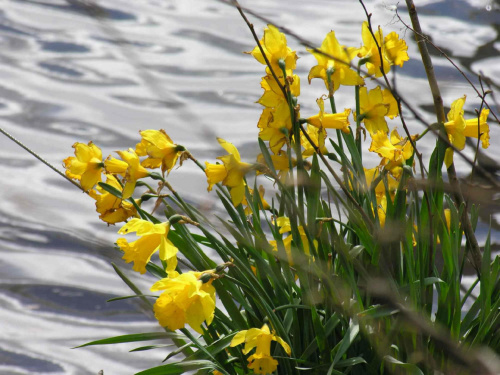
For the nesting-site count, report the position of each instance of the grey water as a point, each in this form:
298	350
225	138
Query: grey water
67	76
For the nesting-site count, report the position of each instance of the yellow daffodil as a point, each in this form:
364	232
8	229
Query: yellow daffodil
187	299
275	48
393	50
380	191
265	205
112	209
394	151
273	96
284	225
280	161
271	131
159	148
318	136
261	361
130	167
373	108
330	121
458	128
341	72
152	237
231	173
86	165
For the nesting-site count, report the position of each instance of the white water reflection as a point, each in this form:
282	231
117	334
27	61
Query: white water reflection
63	78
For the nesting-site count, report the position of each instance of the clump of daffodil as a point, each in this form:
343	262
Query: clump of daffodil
152	237
159	148
188	298
458	128
330	120
112	209
86	165
338	69
374	106
394	151
261	362
393	50
285	227
130	167
231	173
275	48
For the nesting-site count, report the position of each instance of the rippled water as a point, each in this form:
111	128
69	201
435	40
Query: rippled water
177	65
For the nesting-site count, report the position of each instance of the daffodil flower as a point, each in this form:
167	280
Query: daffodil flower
393	50
130	167
285	227
159	148
339	69
318	136
86	166
261	361
458	129
280	162
265	205
380	191
330	121
275	48
186	299
231	173
112	209
153	237
373	109
394	150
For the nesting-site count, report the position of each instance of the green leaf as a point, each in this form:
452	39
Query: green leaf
215	348
346	342
181	367
409	368
111	189
135	337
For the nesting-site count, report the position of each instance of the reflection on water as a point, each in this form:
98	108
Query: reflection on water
64	78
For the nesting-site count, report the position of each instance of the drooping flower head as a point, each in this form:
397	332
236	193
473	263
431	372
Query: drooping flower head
86	165
187	299
231	173
318	136
153	237
275	48
159	148
130	167
285	227
260	339
339	69
112	209
458	128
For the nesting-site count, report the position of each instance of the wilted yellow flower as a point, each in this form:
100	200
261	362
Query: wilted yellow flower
341	72
86	166
261	361
330	121
159	148
152	237
187	299
393	50
130	167
231	173
265	205
274	46
112	209
373	108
